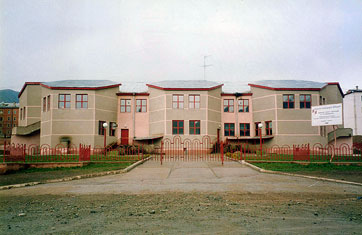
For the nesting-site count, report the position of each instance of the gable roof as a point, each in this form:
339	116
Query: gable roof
185	85
74	85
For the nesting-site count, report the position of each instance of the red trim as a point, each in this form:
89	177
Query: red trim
80	88
25	84
337	84
234	94
285	89
184	89
131	94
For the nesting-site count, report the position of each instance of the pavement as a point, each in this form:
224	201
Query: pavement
192	176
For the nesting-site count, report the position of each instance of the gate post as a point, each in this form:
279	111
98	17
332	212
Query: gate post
222	152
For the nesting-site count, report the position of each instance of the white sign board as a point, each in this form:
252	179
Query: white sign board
325	115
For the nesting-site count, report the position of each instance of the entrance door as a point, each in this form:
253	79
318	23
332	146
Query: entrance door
124	137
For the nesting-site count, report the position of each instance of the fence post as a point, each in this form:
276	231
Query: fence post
23	152
222	152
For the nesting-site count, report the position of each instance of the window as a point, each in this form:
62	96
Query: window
14	111
81	101
48	103
14	118
112	129
194	127
125	106
8	125
1	112
177	127
228	106
257	133
14	125
141	106
64	101
305	101
8	111
194	101
8	118
44	104
288	101
21	114
244	129
229	129
24	114
178	101
243	106
101	129
268	128
1	118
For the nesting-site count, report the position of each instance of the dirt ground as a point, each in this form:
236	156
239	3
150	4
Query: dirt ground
182	213
184	198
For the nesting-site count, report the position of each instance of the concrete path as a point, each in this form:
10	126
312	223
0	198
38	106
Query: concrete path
192	176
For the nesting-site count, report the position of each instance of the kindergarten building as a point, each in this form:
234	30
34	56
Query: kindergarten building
73	112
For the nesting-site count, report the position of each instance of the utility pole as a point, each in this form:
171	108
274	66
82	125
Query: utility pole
205	65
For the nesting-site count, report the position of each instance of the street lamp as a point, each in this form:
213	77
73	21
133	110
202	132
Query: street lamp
105	125
260	126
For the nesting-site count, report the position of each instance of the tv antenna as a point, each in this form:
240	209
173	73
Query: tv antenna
205	65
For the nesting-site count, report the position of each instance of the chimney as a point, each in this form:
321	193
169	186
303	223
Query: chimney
356	87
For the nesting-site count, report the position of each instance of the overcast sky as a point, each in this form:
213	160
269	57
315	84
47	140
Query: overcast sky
145	40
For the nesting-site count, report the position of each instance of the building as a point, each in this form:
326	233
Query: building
352	110
67	112
9	113
73	112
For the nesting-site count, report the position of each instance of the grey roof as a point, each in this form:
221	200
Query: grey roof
185	84
235	87
80	83
133	87
289	84
9	105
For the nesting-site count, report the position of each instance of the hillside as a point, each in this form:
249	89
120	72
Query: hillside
9	96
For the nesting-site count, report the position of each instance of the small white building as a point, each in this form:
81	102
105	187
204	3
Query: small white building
352	110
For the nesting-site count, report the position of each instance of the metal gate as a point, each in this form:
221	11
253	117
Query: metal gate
203	149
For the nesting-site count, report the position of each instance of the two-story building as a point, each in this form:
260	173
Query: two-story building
73	112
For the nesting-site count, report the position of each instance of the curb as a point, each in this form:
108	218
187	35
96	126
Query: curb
129	168
296	175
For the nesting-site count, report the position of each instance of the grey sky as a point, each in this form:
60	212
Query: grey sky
144	40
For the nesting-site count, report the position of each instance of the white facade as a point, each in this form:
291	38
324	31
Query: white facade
352	111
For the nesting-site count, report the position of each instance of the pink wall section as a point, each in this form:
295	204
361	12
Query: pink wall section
136	123
28	140
236	117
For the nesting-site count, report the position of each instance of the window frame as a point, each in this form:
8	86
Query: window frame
245	130
193	103
242	106
257	129
178	128
141	106
229	107
112	130
48	103
288	102
127	107
227	131
65	102
82	102
44	104
101	129
269	128
305	102
193	129
178	102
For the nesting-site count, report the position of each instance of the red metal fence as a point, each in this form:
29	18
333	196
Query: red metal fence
44	153
184	150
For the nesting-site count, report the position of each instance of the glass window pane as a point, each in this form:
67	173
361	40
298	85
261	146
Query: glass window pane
85	97
174	131
174	105
285	98
67	97
67	104
128	102
226	109
226	102
123	109
144	109
181	98
198	131
285	105
231	109
174	124
181	105
85	105
144	102
61	105
291	98
197	105
197	98
302	98
78	105
247	109
138	102
181	131
181	124
128	109
302	105
191	98
192	123
226	127
61	97
231	102
291	105
308	98
174	98
197	123
123	102
240	102
308	105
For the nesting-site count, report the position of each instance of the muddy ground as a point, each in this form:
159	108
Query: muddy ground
182	213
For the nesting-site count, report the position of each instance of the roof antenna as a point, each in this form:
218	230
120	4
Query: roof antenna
205	65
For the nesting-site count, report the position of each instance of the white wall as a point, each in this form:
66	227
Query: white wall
352	112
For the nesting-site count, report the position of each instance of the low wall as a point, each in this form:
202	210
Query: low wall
6	167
